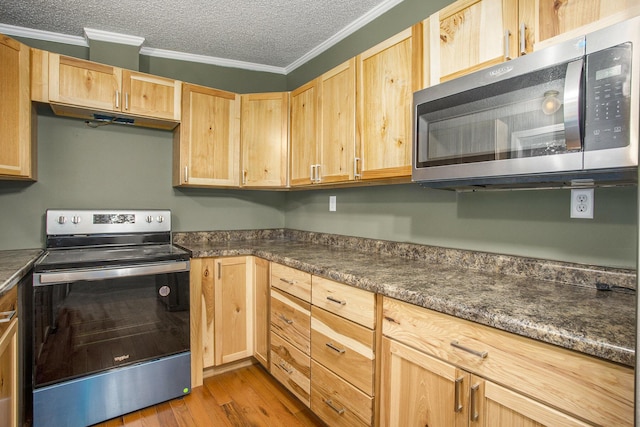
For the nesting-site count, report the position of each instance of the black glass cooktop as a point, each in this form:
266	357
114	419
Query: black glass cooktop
56	259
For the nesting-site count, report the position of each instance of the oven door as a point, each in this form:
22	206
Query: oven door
93	320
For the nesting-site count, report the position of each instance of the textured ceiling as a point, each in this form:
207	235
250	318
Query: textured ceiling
276	33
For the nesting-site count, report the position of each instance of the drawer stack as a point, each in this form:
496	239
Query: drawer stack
290	329
342	352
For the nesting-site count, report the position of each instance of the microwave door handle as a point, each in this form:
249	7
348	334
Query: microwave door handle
572	84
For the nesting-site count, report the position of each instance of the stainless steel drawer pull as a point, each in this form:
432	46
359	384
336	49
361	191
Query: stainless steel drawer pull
334	348
6	316
287	321
481	354
474	402
337	301
289	282
329	402
284	368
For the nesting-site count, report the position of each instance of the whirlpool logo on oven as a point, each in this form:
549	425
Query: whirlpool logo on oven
121	358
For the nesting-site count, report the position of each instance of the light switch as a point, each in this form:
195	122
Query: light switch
332	203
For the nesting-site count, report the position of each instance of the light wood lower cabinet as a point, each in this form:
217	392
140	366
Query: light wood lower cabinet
262	293
9	360
425	353
222	308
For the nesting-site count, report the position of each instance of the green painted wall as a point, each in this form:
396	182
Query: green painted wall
119	167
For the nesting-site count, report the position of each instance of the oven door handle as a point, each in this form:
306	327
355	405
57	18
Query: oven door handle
50	278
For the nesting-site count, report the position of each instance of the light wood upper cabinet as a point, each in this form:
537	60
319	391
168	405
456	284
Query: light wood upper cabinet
264	139
388	74
89	85
207	142
469	35
17	137
323	121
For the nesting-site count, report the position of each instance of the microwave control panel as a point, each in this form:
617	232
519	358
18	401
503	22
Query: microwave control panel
608	98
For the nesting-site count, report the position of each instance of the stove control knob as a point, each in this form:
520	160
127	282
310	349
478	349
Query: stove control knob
76	219
61	219
160	219
149	219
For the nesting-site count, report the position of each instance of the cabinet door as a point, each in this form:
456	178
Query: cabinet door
261	292
233	325
201	317
469	35
558	17
386	85
304	137
495	406
17	147
264	139
419	390
84	83
338	123
151	96
207	142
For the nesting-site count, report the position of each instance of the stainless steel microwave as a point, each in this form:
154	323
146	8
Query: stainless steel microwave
566	112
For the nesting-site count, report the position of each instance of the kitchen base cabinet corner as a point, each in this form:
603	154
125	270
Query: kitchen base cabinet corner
9	360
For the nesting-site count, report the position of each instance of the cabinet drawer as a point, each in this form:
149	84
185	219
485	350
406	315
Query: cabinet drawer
291	319
346	301
291	367
295	282
593	389
337	402
344	347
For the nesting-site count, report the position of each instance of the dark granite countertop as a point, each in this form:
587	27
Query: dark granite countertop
577	317
14	264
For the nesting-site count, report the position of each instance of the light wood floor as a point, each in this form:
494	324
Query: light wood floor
241	398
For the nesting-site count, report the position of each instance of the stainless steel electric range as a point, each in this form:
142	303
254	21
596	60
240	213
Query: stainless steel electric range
110	316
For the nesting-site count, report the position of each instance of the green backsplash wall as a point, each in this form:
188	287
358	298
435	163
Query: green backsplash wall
119	167
533	223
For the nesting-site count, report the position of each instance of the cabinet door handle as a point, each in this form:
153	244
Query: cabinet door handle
474	402
507	35
285	320
336	349
117	99
318	173
457	403
126	101
6	316
284	368
523	39
219	271
329	402
356	175
337	301
186	174
312	175
244	177
481	354
288	282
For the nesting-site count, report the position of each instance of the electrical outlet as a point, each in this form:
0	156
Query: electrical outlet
582	203
332	203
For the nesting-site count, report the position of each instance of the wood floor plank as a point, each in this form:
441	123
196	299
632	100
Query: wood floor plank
235	415
134	419
205	409
165	415
181	413
150	417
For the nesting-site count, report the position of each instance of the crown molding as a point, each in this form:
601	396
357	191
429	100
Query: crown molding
211	60
343	33
30	33
108	36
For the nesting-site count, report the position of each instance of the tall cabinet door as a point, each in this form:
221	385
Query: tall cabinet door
233	313
338	123
264	139
17	143
419	390
261	319
304	136
387	77
207	142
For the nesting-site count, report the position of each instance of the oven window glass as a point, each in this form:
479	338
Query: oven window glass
87	327
515	118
